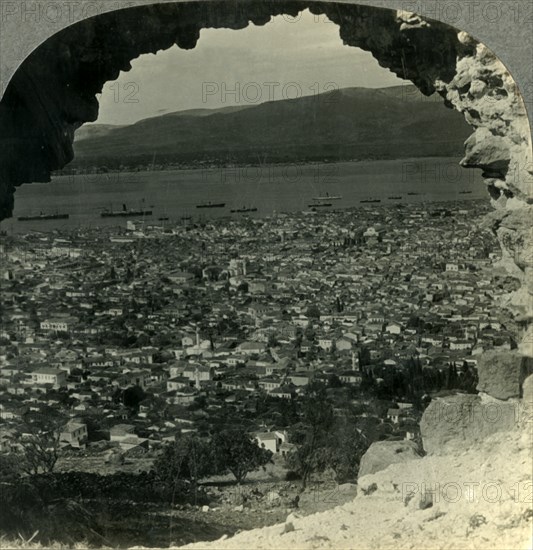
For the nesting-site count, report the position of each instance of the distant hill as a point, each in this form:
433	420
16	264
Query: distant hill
206	112
351	123
88	131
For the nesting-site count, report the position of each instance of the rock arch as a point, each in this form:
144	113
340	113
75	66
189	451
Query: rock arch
53	93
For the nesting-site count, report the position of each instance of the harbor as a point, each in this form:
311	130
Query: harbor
173	195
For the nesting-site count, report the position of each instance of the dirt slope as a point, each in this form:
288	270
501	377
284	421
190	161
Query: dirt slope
481	499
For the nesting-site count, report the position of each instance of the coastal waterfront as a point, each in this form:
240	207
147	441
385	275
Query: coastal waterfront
269	188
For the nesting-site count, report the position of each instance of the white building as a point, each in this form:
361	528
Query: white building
58	324
74	434
55	377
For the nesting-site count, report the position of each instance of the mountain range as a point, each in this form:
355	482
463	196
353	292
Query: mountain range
345	124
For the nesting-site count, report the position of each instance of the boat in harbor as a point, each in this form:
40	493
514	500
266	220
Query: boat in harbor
243	210
43	216
371	200
211	205
328	197
125	212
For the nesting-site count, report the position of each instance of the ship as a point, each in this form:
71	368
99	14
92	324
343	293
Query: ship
465	192
125	212
243	210
371	200
413	193
211	205
320	205
42	216
328	197
395	198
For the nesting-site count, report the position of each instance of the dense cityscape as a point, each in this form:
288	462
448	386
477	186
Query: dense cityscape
265	277
123	341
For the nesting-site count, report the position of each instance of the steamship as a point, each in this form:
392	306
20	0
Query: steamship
125	212
43	216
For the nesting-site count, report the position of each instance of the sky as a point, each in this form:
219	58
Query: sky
286	58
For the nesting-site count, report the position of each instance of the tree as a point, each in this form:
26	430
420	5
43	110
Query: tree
34	317
189	458
469	379
96	423
317	419
334	381
40	447
272	341
364	356
313	312
451	376
235	451
10	468
288	410
131	397
346	446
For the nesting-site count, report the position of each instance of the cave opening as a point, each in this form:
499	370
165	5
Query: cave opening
46	101
232	116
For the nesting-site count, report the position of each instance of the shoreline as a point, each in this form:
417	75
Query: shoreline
195	221
301	163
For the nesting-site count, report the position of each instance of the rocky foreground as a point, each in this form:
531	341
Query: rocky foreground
388	519
468	496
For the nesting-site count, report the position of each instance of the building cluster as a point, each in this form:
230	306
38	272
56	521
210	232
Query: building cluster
145	332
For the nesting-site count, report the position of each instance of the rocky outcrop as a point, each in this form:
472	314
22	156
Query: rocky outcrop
526	345
501	373
473	496
485	92
382	454
527	403
514	231
470	498
463	420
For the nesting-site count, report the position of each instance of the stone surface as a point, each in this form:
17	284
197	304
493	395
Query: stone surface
527	389
346	487
527	403
486	151
526	345
463	420
382	454
500	374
